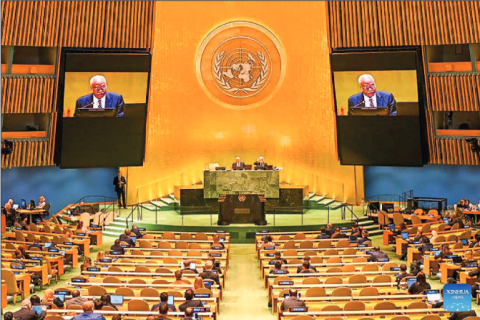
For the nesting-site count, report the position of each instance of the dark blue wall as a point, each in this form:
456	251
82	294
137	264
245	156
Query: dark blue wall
59	186
452	182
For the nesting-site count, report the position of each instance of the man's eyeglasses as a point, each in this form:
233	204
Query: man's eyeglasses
96	88
365	87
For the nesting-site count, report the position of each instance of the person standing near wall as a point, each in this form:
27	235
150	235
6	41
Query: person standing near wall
119	182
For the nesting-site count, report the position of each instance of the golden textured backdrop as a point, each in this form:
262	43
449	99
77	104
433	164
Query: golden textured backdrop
294	130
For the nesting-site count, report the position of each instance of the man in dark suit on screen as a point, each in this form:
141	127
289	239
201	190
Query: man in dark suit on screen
119	182
371	98
100	98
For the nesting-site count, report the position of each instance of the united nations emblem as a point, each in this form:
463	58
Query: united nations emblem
242	197
240	65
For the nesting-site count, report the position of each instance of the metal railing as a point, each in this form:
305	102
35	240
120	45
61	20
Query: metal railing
106	204
346	207
373	202
135	208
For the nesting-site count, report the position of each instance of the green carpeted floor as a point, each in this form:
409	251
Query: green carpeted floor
244	296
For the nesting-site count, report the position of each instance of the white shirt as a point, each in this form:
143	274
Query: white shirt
95	102
367	101
41	205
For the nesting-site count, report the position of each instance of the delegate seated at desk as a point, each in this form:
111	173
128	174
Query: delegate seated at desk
260	164
238	165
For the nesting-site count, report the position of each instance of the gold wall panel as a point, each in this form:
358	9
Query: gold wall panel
295	129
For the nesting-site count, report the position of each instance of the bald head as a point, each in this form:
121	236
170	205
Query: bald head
98	84
26	304
367	84
87	306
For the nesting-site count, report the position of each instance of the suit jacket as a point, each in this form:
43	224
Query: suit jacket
26	314
76	301
210	275
291	302
299	269
188	269
362	240
118	248
257	164
115	183
190	304
127	239
403	276
377	255
170	306
242	165
384	99
330	231
112	101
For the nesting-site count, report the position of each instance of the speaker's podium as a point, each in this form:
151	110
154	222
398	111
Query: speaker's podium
241	208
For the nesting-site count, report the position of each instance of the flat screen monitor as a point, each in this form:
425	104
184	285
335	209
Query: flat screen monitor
388	207
446	221
32	203
15	206
102	107
116	299
171	300
411	281
48	244
433	295
60	296
405	235
353	239
382	89
134	239
23	203
465	242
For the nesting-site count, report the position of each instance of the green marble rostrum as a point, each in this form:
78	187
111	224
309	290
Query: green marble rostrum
217	183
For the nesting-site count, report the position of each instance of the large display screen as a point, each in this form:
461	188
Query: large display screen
379	107
102	108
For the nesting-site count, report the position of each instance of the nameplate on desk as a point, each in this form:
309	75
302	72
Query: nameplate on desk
124	246
53	250
285	283
268	248
93	269
18	267
63	292
106	260
216	255
299	309
383	260
201	309
220	231
94	225
80	280
68	243
241	211
271	262
18	228
81	234
263	231
142	229
37	258
270	255
201	295
114	252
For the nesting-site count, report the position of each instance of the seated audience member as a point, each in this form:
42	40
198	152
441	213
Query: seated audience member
330	229
468	258
323	234
88	312
420	285
444	253
189	301
24	224
41	203
216	267
278	268
403	273
339	234
97	304
164	302
48	296
268	241
354	231
117	317
188	314
26	312
306	259
136	232
76	300
418	237
216	243
402	226
292	301
81	228
306	268
364	237
377	254
35	244
23	251
462	315
163	311
456	218
476	242
8	315
198	284
117	247
186	266
434	236
35	300
126	238
178	281
208	274
107	302
278	257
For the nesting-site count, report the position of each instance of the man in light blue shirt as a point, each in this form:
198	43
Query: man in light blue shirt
88	313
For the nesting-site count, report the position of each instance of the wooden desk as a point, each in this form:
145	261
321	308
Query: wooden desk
30	213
